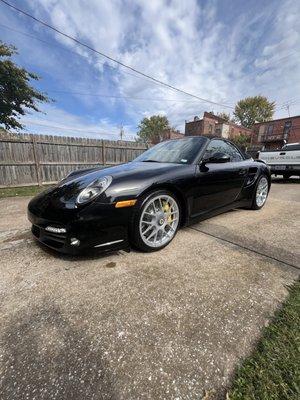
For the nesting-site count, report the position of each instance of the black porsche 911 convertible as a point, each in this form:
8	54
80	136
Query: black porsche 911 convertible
144	202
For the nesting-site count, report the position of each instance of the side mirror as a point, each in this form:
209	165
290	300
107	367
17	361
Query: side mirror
217	158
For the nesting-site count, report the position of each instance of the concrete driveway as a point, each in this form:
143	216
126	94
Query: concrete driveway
167	325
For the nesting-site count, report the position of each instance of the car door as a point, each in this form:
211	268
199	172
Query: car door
218	184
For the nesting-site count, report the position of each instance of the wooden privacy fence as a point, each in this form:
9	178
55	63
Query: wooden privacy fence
43	159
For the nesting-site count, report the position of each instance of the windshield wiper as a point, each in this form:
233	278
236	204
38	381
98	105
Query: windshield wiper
150	161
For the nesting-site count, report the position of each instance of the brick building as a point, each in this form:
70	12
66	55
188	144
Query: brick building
168	134
274	134
213	125
173	134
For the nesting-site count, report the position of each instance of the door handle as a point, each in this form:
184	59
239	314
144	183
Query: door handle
242	171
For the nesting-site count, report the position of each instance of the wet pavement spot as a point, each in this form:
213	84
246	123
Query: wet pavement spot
111	265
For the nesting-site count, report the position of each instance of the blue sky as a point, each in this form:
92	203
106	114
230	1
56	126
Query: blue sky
218	50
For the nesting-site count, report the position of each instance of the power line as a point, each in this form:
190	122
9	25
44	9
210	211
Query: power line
290	102
279	107
67	128
84	56
109	66
73	52
111	58
118	96
268	66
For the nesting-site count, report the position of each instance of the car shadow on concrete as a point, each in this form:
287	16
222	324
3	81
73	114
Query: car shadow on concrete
47	357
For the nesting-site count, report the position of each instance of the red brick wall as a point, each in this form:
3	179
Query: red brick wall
169	134
175	135
294	135
274	132
205	126
194	128
237	130
209	126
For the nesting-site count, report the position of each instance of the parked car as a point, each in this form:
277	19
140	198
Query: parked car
144	202
285	162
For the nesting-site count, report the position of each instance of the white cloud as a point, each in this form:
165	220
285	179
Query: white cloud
185	43
280	77
55	121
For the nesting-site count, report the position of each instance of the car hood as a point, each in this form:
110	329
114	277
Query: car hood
120	173
128	179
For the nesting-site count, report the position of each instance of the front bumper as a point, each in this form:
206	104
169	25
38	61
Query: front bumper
99	228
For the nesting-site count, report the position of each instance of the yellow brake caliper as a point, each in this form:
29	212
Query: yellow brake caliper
167	210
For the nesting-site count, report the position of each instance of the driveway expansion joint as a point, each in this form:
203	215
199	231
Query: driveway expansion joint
245	248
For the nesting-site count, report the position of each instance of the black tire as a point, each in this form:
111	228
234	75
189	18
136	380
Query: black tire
255	205
134	228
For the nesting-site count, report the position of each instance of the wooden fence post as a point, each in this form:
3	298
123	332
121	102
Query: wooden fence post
103	153
36	161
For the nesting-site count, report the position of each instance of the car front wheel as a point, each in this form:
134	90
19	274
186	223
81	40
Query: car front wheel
156	221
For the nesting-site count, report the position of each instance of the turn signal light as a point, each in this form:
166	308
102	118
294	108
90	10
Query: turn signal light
74	242
125	203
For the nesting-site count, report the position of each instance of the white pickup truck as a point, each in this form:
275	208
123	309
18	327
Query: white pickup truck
284	162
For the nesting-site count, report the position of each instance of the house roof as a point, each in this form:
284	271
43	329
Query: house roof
279	119
219	119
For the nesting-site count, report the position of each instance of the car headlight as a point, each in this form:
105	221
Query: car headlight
94	189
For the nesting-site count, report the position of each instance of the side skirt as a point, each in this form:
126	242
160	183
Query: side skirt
212	213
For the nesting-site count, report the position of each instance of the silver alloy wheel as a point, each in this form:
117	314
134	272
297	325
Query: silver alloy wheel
262	191
159	220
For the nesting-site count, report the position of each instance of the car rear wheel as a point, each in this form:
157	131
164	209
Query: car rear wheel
261	193
156	221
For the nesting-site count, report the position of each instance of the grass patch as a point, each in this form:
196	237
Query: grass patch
272	372
22	191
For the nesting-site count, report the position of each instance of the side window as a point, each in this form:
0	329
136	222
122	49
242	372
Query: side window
235	154
220	146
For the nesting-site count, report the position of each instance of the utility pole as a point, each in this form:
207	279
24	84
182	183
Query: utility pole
121	132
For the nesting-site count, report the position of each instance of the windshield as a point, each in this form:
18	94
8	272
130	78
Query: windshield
181	151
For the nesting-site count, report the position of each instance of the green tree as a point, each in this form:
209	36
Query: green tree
16	94
250	110
150	130
225	116
242	141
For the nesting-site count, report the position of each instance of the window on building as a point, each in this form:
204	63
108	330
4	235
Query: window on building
210	128
288	124
287	128
261	132
220	146
270	129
